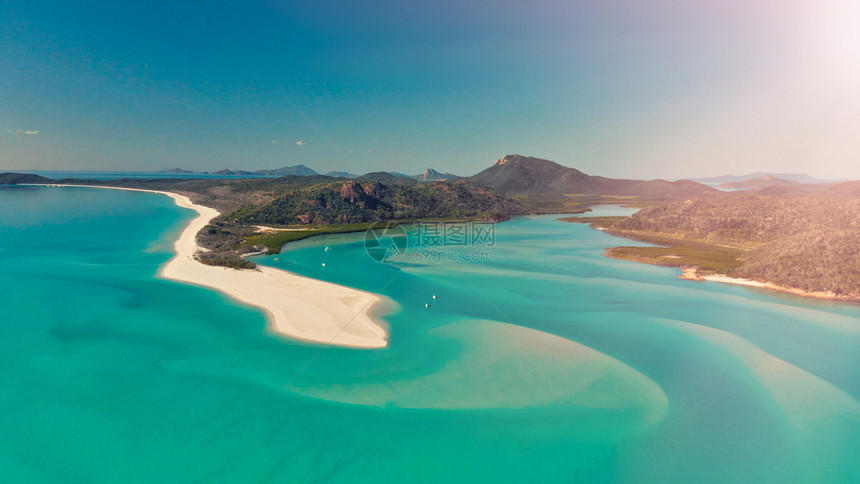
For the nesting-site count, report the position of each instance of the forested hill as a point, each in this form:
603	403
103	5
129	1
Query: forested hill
346	202
516	174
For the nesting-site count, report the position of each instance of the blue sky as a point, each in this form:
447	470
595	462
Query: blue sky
645	88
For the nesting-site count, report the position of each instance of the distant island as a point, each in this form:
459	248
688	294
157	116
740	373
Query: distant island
761	182
22	179
301	170
175	171
796	177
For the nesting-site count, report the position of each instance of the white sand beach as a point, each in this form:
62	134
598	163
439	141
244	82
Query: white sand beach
298	307
692	274
734	280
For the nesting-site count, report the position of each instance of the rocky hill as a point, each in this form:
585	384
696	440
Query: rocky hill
367	201
432	175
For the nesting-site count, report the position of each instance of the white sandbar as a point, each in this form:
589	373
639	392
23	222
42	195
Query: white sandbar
298	307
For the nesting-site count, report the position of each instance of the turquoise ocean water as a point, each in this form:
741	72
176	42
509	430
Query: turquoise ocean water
544	362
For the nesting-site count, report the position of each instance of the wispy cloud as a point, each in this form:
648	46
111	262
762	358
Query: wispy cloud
300	143
274	141
33	132
29	132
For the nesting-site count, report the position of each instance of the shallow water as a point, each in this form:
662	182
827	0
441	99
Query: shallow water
542	362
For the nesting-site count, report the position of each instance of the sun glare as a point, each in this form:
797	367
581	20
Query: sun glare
838	32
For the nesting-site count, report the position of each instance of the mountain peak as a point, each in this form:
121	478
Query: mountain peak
432	175
514	158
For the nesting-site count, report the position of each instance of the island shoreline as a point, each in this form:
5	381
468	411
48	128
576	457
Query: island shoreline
692	273
297	307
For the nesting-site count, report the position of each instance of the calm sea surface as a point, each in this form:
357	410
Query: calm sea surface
538	360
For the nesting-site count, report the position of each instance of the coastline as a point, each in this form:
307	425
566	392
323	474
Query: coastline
297	307
692	274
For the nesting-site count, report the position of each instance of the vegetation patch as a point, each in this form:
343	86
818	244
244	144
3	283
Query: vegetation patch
709	259
274	241
233	261
595	222
350	202
671	251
